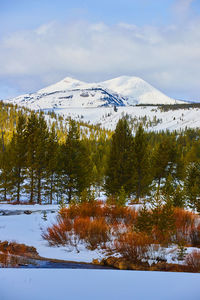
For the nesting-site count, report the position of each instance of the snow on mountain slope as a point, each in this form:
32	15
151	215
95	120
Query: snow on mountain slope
156	119
68	99
69	92
94	102
67	83
137	91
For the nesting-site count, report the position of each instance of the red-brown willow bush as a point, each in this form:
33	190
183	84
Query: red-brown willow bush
89	222
17	249
195	236
122	229
97	209
58	234
120	214
94	232
98	233
166	224
133	246
187	227
192	260
92	209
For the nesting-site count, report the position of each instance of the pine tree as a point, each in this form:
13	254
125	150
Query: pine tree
144	220
164	158
18	153
83	168
6	172
41	150
192	185
142	177
163	220
121	197
37	141
119	171
31	138
179	197
76	164
168	189
52	164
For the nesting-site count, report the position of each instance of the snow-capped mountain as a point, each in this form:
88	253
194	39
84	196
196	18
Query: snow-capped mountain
137	91
94	103
72	93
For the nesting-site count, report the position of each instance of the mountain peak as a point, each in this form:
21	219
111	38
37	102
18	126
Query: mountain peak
119	91
62	85
125	78
137	91
123	83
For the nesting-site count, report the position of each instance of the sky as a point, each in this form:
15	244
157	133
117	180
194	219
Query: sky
44	41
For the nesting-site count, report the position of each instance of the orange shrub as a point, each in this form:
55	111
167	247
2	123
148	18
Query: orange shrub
58	234
86	209
18	249
90	222
93	209
81	227
96	209
185	223
98	233
195	236
192	260
120	214
93	232
133	246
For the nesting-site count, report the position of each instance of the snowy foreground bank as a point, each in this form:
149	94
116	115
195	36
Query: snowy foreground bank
27	229
18	226
92	284
23	284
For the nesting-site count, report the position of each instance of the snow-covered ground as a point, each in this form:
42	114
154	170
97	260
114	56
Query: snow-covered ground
24	207
48	284
27	229
95	103
105	116
51	284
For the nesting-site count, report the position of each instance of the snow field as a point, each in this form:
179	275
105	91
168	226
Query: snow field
27	229
51	284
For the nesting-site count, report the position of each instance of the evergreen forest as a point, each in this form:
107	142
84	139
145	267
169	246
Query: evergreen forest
48	159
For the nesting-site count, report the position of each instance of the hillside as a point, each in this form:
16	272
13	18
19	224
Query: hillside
104	103
137	91
70	93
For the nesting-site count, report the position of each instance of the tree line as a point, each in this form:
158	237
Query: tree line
149	164
43	161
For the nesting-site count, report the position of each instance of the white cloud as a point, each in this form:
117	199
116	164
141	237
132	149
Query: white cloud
167	57
182	6
183	11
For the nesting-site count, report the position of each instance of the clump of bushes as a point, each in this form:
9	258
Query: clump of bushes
133	246
122	230
93	223
58	234
192	260
17	249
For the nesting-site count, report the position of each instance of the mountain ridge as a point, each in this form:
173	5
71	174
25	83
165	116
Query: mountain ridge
70	92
